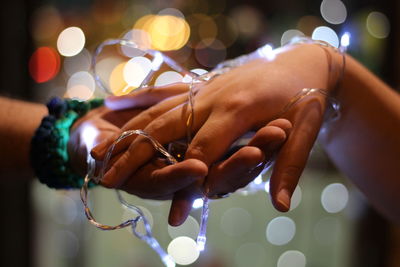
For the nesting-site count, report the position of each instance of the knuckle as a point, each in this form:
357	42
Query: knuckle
155	126
235	102
291	171
195	152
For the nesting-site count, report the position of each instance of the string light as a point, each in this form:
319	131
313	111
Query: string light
141	218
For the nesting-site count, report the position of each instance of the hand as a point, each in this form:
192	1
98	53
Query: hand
96	126
244	99
152	181
235	172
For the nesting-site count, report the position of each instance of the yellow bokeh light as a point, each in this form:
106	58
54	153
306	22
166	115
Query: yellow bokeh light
118	85
166	32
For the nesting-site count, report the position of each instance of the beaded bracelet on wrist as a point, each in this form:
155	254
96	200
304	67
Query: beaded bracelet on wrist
49	156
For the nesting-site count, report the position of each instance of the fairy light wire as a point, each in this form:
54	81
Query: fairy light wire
196	80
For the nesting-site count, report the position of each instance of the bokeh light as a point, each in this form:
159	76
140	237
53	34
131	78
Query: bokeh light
210	53
71	41
236	222
202	27
280	230
117	83
334	197
141	38
378	25
296	198
168	77
130	214
136	70
80	62
189	228
248	20
44	64
230	32
80	86
288	35
292	258
326	34
333	11
183	250
108	71
167	32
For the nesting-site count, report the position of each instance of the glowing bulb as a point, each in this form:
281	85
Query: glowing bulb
345	40
201	243
89	134
258	180
266	187
157	61
267	51
198	203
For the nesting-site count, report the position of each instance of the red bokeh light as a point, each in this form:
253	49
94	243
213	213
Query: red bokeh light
44	64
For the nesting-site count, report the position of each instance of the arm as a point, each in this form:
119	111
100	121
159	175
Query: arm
19	120
365	142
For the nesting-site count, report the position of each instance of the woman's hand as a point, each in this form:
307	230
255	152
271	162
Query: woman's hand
244	99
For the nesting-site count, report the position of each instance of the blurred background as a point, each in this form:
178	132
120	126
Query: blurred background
47	48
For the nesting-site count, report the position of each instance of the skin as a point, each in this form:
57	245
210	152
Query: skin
20	120
16	132
251	96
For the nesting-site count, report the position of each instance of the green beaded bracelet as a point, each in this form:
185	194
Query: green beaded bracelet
48	154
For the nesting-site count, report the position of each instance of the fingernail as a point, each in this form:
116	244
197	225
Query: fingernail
283	200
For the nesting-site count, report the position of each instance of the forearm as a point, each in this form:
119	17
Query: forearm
365	142
19	120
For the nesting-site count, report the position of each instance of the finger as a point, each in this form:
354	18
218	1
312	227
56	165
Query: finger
154	182
214	138
246	164
294	153
235	172
167	128
145	97
138	122
182	204
271	137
